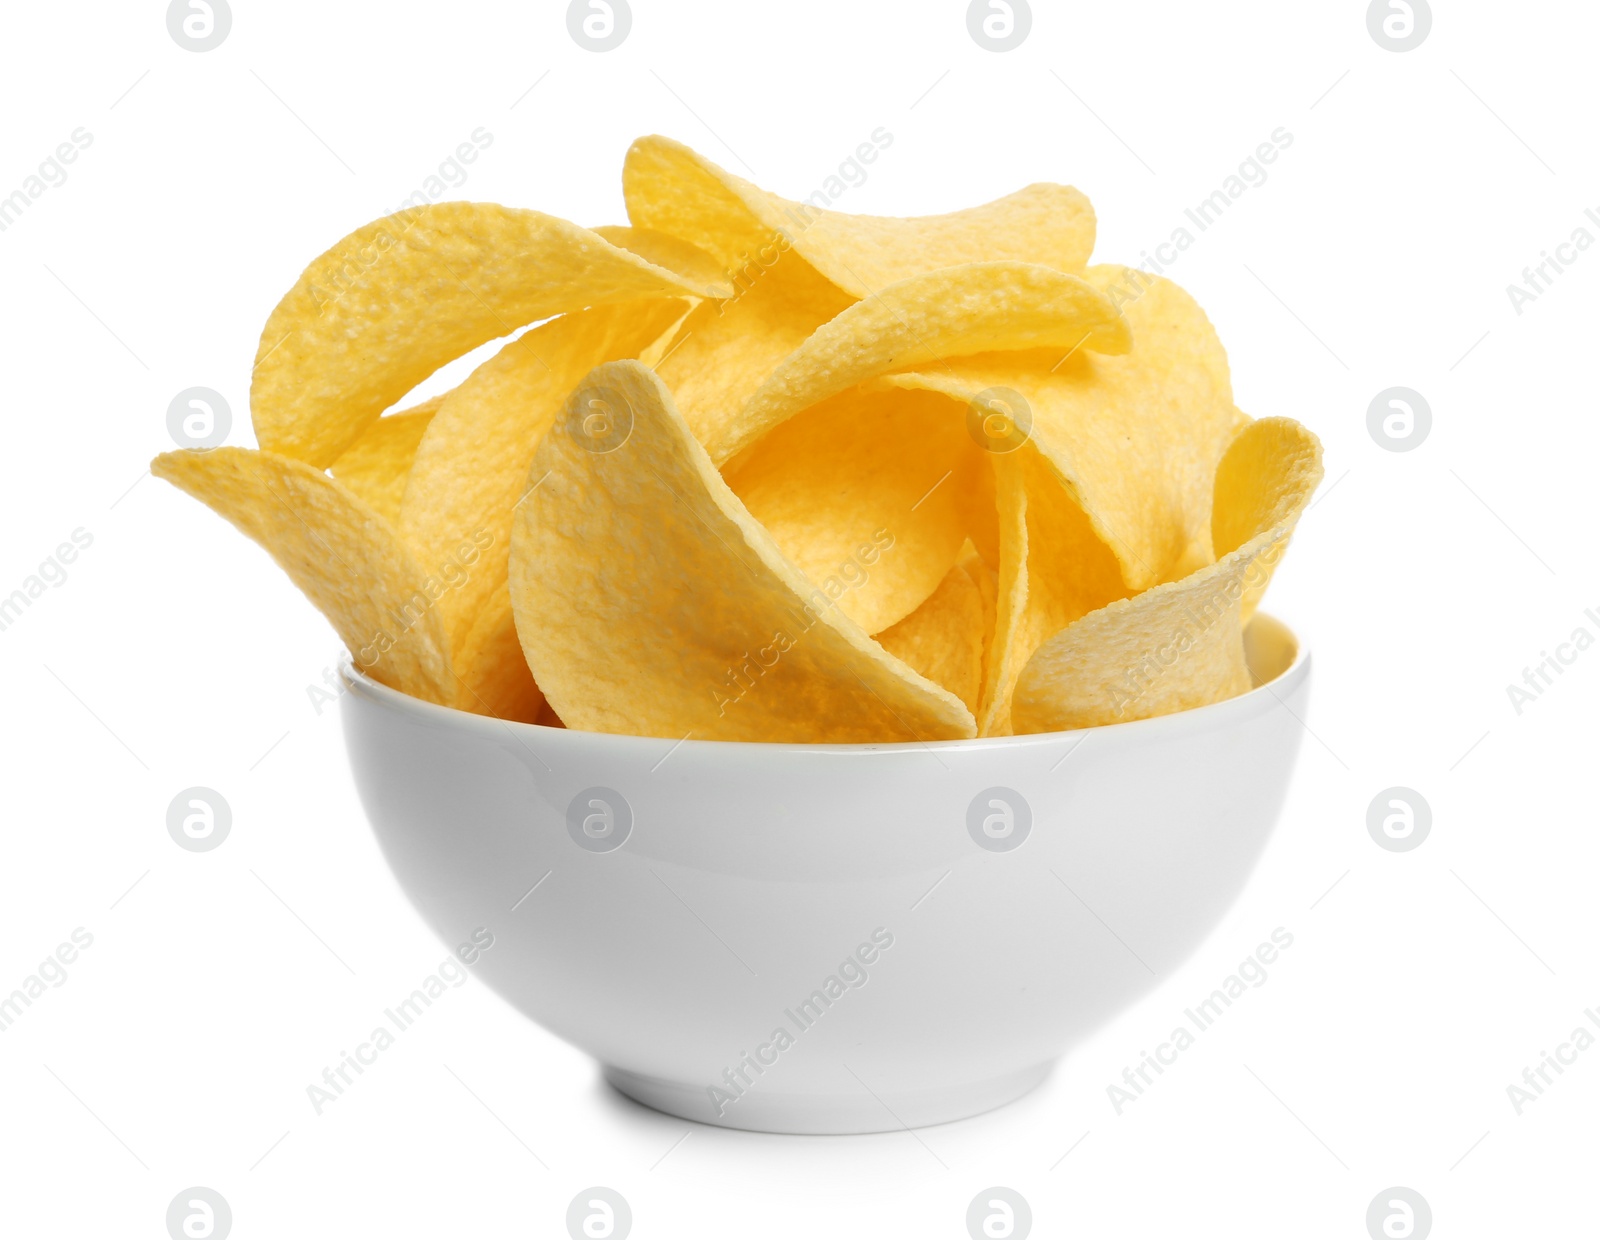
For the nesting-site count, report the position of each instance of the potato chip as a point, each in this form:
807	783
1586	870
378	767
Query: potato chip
727	348
652	353
1179	645
1053	569
375	466
1140	435
472	465
672	188
669	188
1263	478
672	253
988	583
650	602
943	639
344	557
398	298
957	312
983	519
492	676
866	494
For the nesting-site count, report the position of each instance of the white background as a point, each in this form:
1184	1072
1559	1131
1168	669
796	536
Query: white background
1377	253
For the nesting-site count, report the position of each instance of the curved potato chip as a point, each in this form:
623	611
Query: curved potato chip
671	253
727	348
1263	480
493	676
344	557
375	466
956	312
670	188
1054	569
943	639
1140	435
472	465
1181	644
398	298
988	583
650	602
866	495
676	190
983	520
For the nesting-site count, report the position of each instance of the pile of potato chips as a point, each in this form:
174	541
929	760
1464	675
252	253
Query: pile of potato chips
764	471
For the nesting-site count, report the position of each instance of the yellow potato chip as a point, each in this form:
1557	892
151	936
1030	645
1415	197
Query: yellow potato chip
983	519
866	494
1181	644
1139	435
472	465
669	188
675	190
375	466
344	557
1053	569
672	253
650	602
988	583
727	348
956	312
493	677
943	639
1263	478
398	298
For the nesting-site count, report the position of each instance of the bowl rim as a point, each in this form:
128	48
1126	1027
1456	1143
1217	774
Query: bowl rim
1263	696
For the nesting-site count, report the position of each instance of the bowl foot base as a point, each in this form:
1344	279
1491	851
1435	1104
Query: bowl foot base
828	1114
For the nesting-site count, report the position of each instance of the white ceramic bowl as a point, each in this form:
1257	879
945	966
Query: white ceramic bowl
928	925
